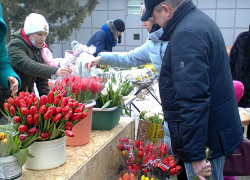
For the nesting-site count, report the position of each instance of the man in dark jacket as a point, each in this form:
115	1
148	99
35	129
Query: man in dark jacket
107	37
196	87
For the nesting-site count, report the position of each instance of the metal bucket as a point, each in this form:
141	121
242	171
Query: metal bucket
48	154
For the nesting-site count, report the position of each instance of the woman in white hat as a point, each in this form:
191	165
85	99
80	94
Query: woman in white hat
25	55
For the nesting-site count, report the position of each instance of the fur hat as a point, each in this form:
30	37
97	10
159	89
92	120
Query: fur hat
35	23
119	25
142	11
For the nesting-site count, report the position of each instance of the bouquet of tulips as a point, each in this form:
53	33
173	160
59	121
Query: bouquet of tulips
148	159
50	117
151	117
80	89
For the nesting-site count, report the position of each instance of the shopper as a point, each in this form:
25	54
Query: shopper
108	36
196	87
25	55
9	80
240	67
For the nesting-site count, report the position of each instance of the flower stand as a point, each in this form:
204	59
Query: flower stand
83	129
105	119
10	168
47	154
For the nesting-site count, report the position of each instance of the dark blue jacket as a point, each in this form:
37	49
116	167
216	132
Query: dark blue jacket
196	88
105	39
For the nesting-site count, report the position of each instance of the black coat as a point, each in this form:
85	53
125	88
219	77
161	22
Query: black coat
196	88
105	39
240	65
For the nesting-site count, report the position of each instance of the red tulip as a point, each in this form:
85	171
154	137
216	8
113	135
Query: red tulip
82	115
58	110
24	111
36	103
79	109
6	107
53	109
29	119
68	123
11	101
68	116
69	133
92	86
75	88
57	118
22	128
43	110
64	93
83	86
50	97
22	137
68	127
58	99
121	147
75	117
75	105
36	120
139	154
12	111
64	102
29	102
16	119
32	131
70	104
48	115
45	135
65	110
43	100
33	110
16	99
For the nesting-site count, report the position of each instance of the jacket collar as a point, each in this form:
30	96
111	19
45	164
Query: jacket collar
155	36
110	29
184	8
26	39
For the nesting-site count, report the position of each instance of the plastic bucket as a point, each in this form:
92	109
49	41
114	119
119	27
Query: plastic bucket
105	119
10	168
83	129
48	154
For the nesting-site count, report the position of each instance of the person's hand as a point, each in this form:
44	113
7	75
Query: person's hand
63	71
202	169
92	62
13	85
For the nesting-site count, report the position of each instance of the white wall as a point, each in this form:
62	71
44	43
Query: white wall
232	17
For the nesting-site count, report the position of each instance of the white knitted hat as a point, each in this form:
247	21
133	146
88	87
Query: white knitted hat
35	23
142	11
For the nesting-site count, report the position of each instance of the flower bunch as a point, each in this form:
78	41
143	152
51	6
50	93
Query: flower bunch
111	94
128	176
80	89
47	118
149	159
127	87
143	177
151	117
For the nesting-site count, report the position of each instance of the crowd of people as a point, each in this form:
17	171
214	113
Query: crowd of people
195	76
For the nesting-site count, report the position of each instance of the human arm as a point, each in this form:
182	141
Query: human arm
234	55
100	39
132	58
190	69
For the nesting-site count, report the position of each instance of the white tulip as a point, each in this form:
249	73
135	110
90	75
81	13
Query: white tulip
114	88
105	92
146	116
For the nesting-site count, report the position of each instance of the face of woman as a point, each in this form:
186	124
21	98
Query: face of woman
39	38
148	25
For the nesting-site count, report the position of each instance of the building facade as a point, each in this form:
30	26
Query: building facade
232	17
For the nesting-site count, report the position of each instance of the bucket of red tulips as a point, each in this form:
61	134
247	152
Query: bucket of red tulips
85	90
42	124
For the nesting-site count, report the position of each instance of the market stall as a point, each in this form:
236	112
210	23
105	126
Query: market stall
100	153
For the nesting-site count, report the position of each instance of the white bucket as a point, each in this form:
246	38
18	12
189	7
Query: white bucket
48	154
9	168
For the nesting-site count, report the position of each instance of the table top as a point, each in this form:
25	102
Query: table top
77	156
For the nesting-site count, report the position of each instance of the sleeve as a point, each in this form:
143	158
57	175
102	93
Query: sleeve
6	69
42	86
21	61
100	40
234	55
133	58
190	69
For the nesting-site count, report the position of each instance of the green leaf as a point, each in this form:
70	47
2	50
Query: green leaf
22	156
106	104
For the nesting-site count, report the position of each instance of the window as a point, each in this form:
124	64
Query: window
134	6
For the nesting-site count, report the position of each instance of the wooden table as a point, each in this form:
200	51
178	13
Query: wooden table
99	159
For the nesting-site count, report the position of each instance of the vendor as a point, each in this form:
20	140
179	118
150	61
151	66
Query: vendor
25	55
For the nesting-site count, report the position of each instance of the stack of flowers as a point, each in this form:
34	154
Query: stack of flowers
148	159
47	118
127	176
83	90
151	117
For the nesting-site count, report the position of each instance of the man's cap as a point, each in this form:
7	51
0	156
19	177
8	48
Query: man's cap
149	4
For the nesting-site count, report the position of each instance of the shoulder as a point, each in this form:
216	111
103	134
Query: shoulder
101	33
